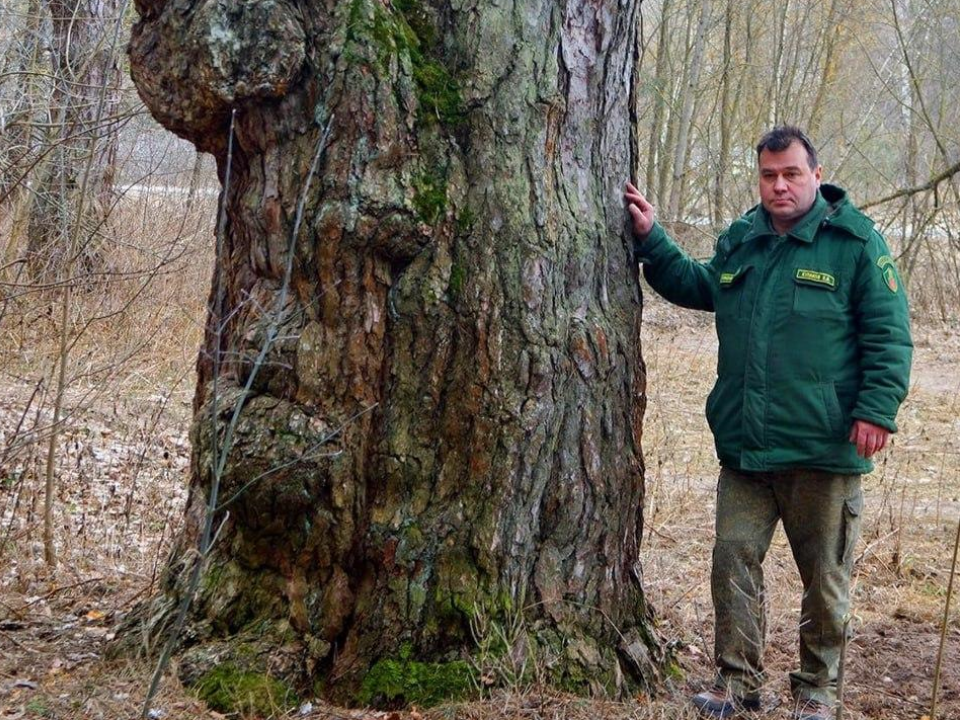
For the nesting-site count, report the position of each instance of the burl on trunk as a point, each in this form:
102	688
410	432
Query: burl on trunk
444	436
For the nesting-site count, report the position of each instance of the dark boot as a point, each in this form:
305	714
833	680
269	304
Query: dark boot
717	702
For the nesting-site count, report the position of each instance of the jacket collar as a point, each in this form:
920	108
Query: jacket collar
806	228
843	214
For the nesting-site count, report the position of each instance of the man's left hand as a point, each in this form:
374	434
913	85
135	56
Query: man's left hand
868	438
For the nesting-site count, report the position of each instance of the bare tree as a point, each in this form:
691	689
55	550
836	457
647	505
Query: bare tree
25	90
728	104
86	100
687	99
660	95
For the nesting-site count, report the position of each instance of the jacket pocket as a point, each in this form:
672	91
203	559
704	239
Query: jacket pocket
732	299
831	403
852	508
798	419
719	408
816	293
712	402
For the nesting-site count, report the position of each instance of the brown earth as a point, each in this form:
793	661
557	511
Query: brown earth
122	489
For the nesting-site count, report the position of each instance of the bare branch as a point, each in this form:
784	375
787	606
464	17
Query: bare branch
931	184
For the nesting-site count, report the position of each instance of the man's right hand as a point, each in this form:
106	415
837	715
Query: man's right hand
641	212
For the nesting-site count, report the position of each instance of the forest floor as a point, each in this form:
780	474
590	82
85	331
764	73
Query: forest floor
123	488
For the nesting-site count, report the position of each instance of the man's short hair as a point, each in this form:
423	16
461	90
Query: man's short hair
781	137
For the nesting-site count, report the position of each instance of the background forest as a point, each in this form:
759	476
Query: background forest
107	227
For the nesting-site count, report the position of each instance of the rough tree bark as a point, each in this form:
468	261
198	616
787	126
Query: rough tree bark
449	425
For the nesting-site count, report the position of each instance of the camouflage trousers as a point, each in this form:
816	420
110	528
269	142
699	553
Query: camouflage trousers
820	512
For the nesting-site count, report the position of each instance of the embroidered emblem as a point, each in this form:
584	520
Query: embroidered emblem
817	278
729	278
890	278
889	271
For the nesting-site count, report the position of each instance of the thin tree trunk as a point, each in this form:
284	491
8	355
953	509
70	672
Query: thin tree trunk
84	60
672	117
681	186
797	66
447	423
912	209
660	103
833	33
89	176
19	137
50	479
775	113
687	100
747	76
723	158
21	102
921	106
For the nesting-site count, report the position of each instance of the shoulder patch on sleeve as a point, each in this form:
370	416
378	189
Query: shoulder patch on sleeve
890	279
888	270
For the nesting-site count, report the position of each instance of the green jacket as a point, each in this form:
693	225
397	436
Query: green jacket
814	333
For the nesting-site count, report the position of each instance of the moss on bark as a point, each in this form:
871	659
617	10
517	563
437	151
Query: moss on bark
228	689
404	680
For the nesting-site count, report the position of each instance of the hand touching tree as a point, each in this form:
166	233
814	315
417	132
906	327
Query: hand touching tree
641	212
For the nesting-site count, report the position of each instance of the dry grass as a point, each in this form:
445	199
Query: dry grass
123	465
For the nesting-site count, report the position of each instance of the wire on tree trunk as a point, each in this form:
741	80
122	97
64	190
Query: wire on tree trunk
219	455
211	505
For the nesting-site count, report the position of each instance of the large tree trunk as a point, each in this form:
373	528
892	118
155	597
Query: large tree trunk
448	426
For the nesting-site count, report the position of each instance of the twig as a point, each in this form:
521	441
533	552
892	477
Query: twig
219	455
686	593
271	334
943	627
195	574
49	549
843	660
57	590
930	184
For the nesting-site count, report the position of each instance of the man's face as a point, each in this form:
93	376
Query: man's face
787	185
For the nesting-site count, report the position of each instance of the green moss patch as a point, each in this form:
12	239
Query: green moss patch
418	20
458	278
228	689
430	197
438	92
466	221
674	671
406	30
405	680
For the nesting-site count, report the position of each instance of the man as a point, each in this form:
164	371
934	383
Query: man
814	361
